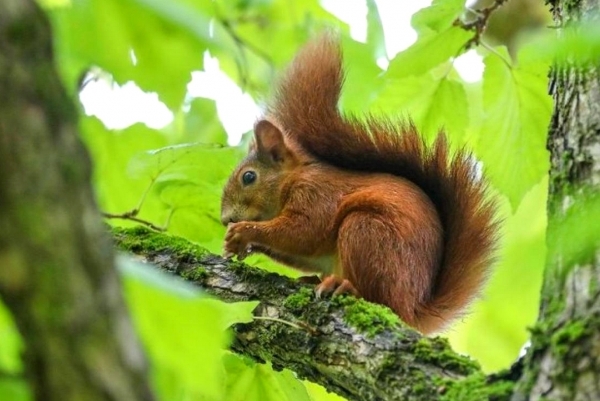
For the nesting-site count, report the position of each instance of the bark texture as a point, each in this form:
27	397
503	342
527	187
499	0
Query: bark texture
563	362
56	272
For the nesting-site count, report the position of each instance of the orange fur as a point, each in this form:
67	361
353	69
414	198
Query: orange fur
366	203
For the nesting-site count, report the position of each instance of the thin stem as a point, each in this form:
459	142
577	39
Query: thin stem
131	215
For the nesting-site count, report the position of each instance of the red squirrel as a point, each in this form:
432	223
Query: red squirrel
365	202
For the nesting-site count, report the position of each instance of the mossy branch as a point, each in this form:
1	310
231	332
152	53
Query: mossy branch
354	348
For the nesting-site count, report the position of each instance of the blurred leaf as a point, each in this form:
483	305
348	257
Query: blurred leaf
182	331
428	52
282	24
15	390
574	237
266	263
406	96
189	179
577	43
439	40
512	143
11	344
248	381
49	4
362	77
193	162
236	312
111	151
157	49
448	110
319	393
202	123
431	103
509	304
440	15
264	35
375	34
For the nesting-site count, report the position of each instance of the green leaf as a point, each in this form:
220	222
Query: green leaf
375	34
236	312
50	4
509	304
319	393
439	40
157	49
248	381
284	27
512	143
432	104
189	179
577	43
182	331
447	110
116	191
15	390
263	36
11	344
202	123
362	77
439	16
428	52
572	238
193	162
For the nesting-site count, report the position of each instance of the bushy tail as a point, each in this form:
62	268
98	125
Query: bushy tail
305	106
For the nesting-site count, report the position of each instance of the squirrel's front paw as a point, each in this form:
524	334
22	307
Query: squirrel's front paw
236	241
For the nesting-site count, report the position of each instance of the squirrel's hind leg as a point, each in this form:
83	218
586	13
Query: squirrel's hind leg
375	258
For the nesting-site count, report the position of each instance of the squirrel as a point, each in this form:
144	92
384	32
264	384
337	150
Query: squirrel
365	202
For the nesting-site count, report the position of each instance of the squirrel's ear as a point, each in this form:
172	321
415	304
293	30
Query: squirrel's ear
269	142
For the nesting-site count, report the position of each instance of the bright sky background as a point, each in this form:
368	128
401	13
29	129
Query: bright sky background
121	106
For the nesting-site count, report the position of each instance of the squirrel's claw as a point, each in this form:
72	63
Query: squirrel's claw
334	285
235	242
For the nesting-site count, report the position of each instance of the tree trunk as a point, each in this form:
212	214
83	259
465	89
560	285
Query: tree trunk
563	362
56	272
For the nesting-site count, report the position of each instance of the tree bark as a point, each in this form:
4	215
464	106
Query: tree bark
56	275
563	361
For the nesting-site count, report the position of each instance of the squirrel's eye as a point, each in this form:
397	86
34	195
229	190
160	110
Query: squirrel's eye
249	177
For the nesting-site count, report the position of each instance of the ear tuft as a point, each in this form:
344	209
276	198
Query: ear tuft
269	142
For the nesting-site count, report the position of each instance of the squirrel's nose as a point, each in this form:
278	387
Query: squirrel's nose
227	217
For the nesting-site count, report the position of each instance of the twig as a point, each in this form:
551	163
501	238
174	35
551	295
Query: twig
242	45
132	216
274	319
479	24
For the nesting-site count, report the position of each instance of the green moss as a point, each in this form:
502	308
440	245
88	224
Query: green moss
195	274
142	239
437	351
563	339
420	385
475	388
299	301
367	318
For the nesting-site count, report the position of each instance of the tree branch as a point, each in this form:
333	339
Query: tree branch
356	349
